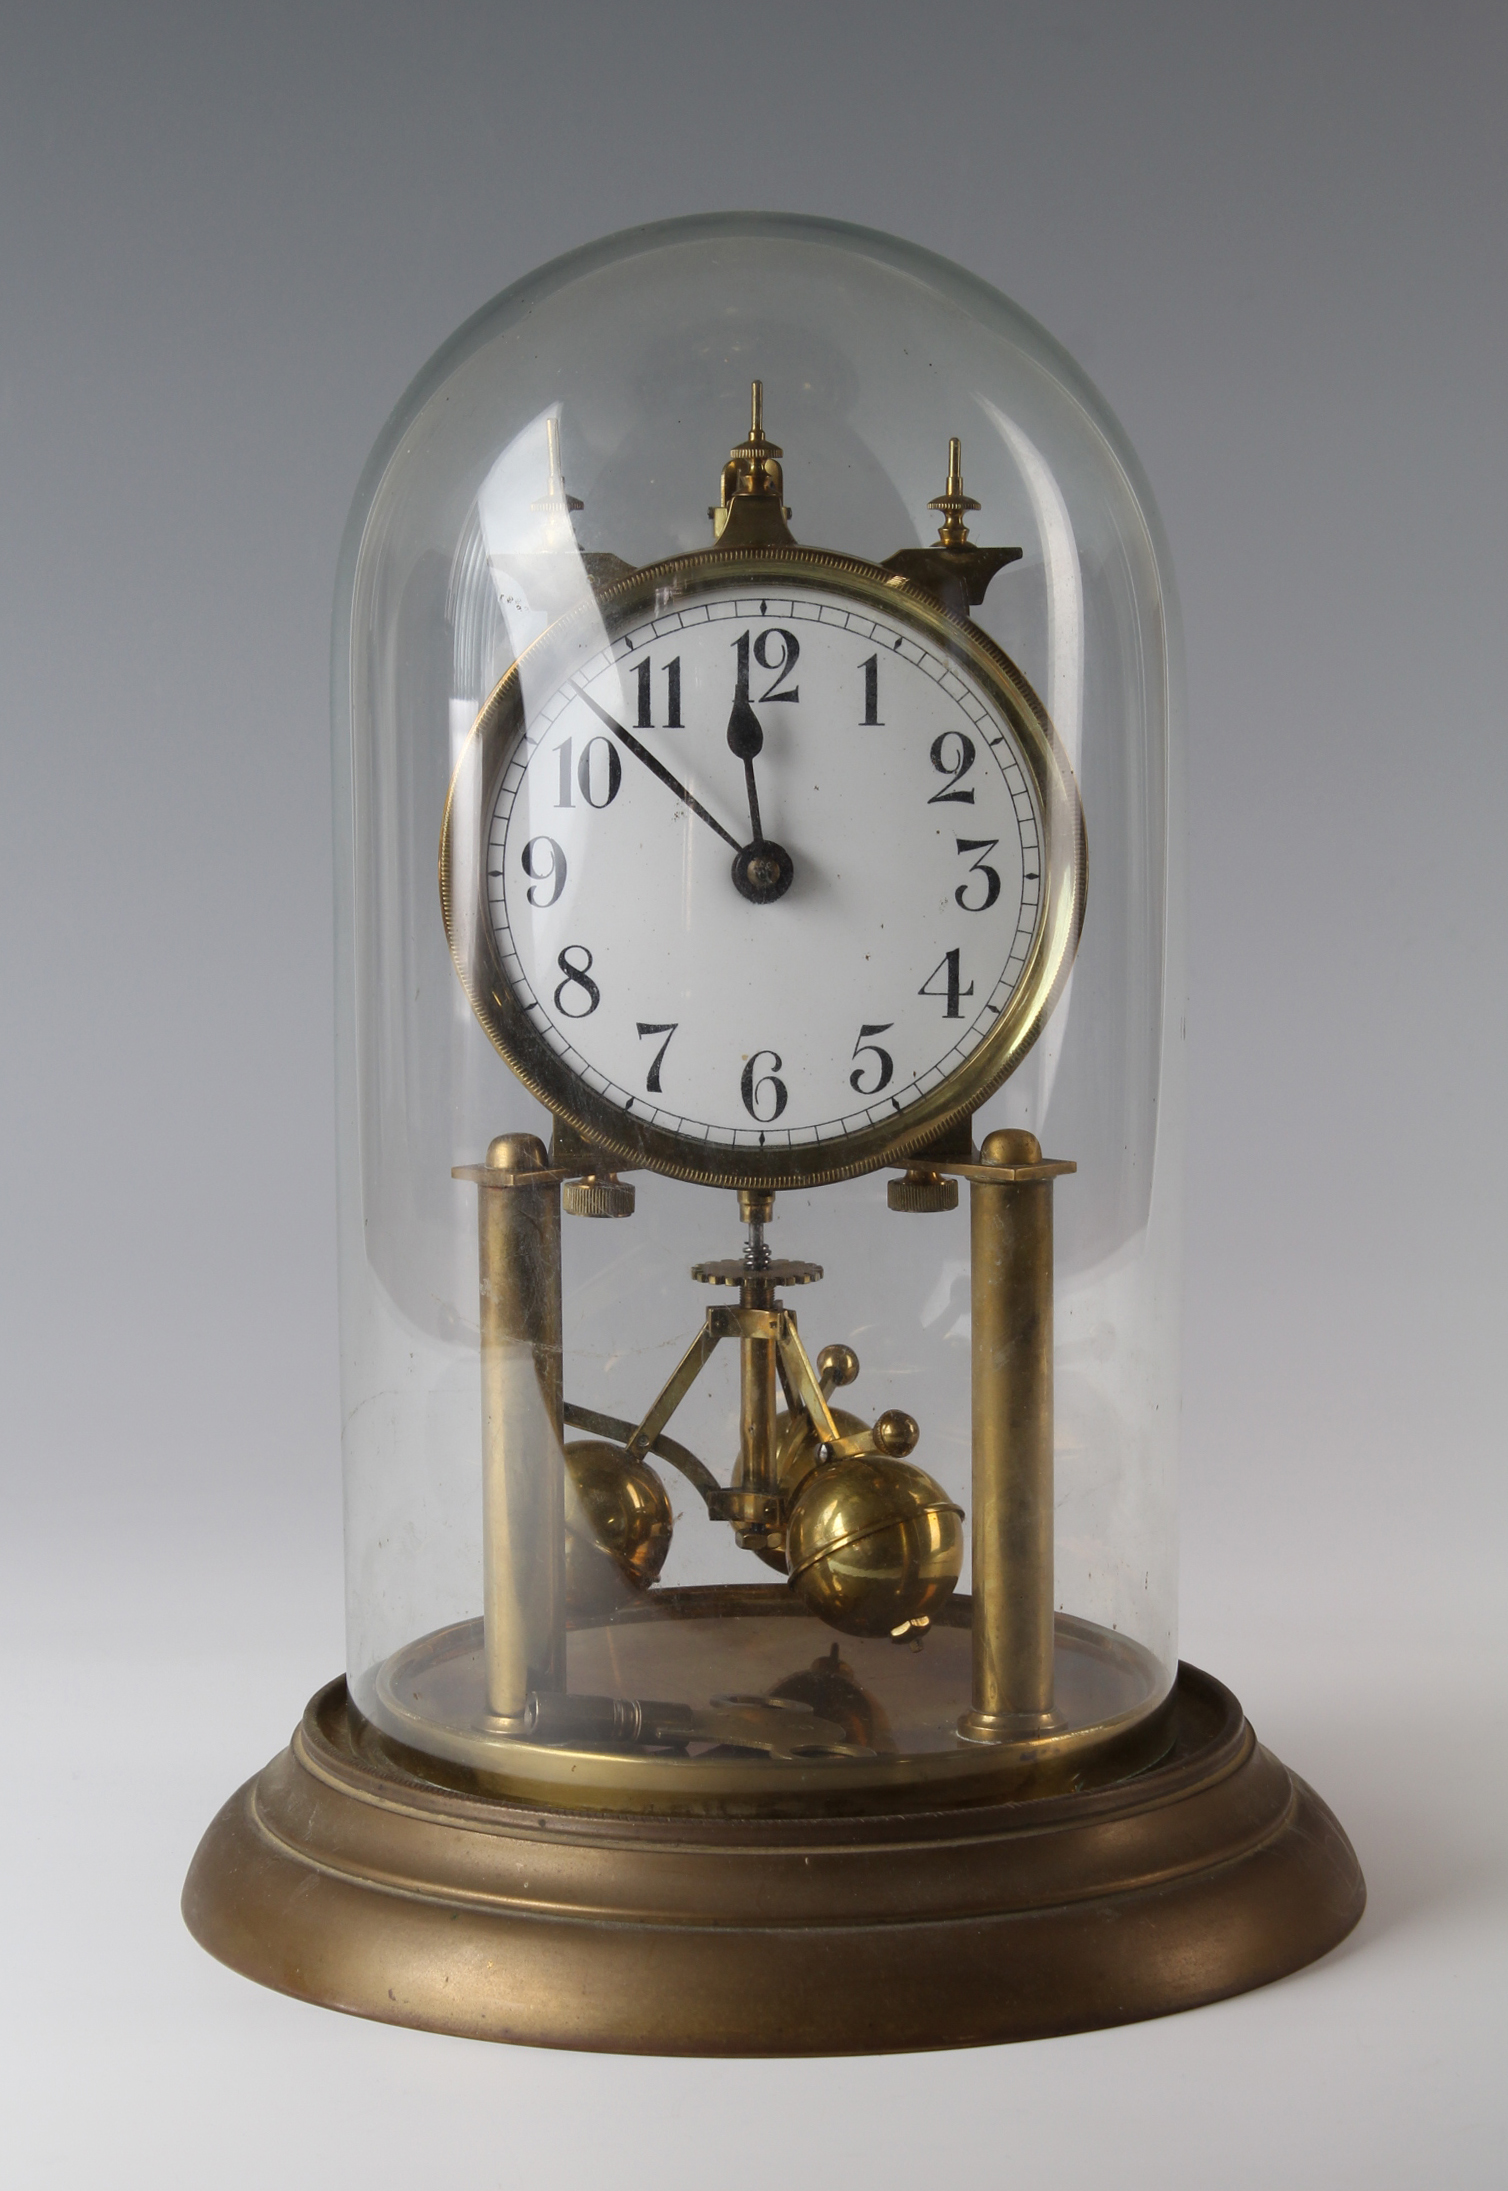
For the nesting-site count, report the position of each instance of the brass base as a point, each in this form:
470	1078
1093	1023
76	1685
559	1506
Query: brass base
340	1877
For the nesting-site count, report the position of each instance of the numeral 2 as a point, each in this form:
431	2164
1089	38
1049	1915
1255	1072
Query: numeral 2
954	770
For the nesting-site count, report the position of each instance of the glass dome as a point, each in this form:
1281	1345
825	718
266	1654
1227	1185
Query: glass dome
760	991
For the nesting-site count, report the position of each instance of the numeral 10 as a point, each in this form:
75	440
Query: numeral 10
597	775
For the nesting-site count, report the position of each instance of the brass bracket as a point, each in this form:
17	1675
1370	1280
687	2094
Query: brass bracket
747	1509
484	1175
955	570
1009	1175
777	1325
725	1323
574	1159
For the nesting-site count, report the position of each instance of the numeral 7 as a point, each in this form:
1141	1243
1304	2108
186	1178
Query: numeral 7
667	1028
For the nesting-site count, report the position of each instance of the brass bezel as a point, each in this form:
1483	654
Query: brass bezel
673	583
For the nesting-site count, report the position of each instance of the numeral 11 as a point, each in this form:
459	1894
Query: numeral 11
644	672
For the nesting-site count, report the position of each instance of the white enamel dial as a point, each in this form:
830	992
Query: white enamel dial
897	866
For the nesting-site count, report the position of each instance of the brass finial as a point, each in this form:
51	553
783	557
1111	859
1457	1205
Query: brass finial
758	448
958	574
556	502
753	473
953	532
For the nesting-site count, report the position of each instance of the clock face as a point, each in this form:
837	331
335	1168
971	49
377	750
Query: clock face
762	868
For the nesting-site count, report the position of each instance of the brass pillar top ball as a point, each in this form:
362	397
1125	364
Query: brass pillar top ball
873	1545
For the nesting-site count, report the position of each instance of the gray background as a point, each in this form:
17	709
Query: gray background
1276	237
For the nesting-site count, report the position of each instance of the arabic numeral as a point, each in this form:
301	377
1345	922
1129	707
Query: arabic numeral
884	1063
780	665
545	864
644	673
667	1028
953	757
870	719
764	1095
987	875
577	978
947	965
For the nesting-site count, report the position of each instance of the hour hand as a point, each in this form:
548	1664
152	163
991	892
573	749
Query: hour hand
745	738
763	871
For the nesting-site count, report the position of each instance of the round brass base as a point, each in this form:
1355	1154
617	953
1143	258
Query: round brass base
340	1877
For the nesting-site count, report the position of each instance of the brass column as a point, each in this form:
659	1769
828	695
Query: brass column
523	1464
1011	1323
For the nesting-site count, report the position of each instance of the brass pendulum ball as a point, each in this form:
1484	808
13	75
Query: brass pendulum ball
873	1544
618	1527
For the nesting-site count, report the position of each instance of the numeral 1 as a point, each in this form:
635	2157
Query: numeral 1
871	715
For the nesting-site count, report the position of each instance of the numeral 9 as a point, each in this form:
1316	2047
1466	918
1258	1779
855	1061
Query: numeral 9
545	864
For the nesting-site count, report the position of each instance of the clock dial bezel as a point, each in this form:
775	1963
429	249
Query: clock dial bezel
676	583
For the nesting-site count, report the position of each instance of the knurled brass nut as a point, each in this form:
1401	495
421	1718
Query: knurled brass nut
922	1192
597	1198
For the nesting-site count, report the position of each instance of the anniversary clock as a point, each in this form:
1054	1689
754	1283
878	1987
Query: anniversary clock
760	1201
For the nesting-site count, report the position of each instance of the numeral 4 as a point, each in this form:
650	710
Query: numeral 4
947	966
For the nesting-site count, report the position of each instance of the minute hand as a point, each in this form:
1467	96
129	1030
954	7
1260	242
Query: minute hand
656	768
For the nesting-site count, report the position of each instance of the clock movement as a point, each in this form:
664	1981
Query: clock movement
807	945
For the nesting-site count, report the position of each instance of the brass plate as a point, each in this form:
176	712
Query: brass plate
689	1646
340	1878
675	583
